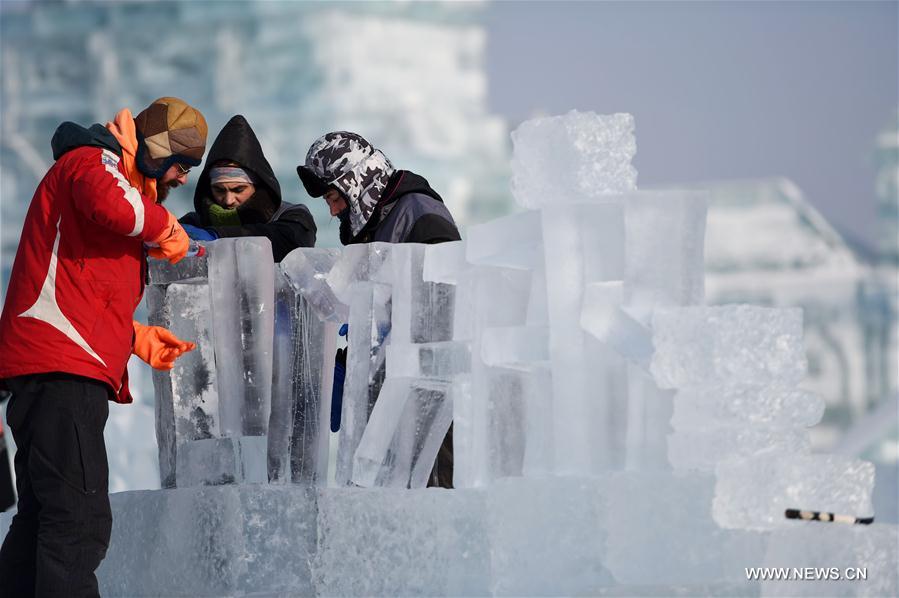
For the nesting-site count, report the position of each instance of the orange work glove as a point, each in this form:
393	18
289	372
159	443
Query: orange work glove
172	244
158	347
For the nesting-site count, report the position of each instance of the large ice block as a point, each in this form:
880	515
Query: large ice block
660	532
702	449
187	404
242	288
575	157
422	312
403	434
747	404
216	461
442	360
361	263
827	483
232	540
515	346
665	233
444	262
307	268
387	542
302	374
603	316
583	243
512	241
727	344
194	268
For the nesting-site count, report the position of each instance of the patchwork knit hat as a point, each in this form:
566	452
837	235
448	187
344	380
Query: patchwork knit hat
349	163
168	131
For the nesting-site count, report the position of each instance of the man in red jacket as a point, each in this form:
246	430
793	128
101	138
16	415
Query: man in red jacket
66	331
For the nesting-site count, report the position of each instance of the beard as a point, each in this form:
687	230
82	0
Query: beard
163	189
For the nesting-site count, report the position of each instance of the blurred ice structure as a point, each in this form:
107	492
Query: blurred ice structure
612	435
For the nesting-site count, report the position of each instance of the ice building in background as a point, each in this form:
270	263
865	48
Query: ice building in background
613	435
294	69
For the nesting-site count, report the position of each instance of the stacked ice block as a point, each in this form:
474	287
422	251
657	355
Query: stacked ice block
612	435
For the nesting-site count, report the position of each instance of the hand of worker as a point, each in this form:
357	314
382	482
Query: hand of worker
172	244
199	234
158	347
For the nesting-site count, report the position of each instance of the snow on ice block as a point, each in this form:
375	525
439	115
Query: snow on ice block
190	269
846	560
774	406
211	541
703	449
727	344
827	483
428	360
573	157
307	269
548	536
444	262
513	241
386	542
660	531
216	461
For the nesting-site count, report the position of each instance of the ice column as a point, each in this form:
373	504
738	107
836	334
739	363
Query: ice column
306	317
413	411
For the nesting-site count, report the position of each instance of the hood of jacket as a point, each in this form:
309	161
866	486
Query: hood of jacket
69	136
401	183
238	143
347	162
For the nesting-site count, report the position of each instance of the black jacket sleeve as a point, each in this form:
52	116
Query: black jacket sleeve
190	218
293	229
432	229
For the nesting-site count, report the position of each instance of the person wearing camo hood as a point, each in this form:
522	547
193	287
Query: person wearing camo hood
373	200
376	202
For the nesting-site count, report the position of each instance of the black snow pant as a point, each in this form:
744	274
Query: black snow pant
61	531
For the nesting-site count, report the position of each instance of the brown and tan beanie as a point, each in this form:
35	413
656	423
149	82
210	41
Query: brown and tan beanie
168	131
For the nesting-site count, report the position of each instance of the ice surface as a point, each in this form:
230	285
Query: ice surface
648	423
386	542
442	360
583	243
307	268
422	312
512	241
515	346
216	461
808	482
360	263
727	344
745	404
602	316
302	373
242	287
444	262
819	545
187	405
578	156
660	532
403	434
211	541
665	232
703	448
190	269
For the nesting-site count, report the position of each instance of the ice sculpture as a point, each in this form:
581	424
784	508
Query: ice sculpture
612	435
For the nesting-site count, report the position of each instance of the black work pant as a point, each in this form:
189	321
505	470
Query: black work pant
61	531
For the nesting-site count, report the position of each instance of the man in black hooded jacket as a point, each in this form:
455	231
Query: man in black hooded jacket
376	202
236	163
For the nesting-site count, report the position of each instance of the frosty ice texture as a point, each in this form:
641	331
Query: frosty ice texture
578	156
734	343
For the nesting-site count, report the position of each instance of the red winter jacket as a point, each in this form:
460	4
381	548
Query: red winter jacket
80	267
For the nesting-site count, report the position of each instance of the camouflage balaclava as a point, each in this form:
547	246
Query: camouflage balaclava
168	131
349	163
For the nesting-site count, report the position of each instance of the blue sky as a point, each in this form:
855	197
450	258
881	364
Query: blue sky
719	90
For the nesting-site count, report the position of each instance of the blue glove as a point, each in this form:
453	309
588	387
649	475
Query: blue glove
337	388
199	234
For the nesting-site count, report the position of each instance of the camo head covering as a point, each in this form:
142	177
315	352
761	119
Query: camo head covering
349	163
